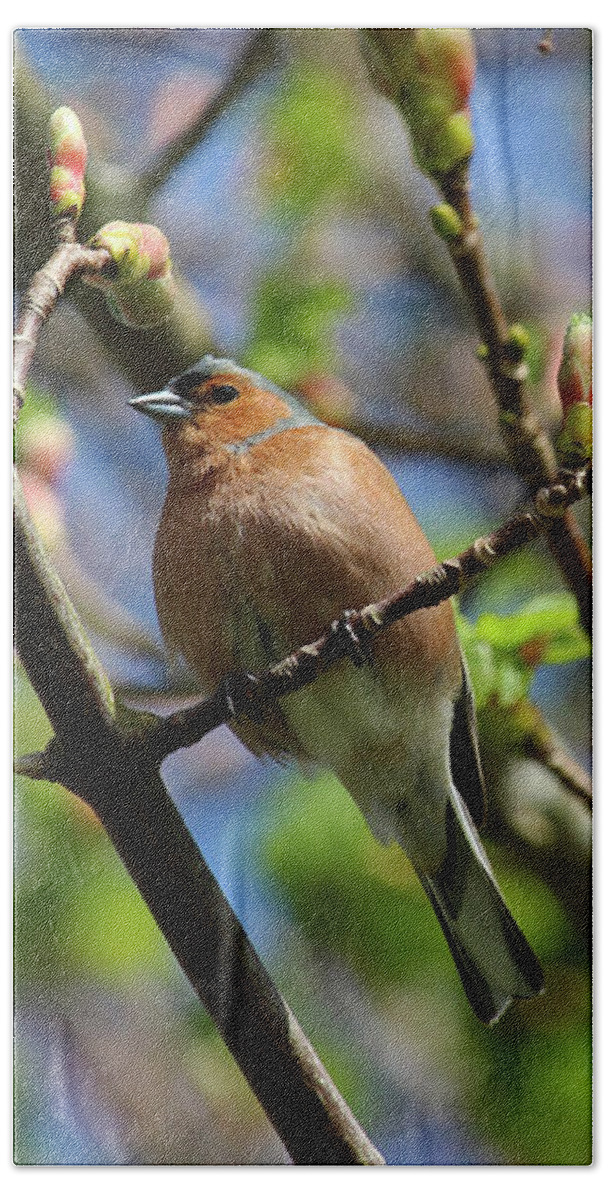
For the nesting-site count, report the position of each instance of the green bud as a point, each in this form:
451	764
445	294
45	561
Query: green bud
429	74
455	145
575	440
138	281
518	343
144	304
446	222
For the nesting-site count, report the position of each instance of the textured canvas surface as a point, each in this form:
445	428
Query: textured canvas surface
278	860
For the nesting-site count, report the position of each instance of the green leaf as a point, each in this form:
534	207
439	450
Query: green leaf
574	645
483	671
550	615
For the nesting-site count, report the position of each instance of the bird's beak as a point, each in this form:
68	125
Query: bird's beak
162	406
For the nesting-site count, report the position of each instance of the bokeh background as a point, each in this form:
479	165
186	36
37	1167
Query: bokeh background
298	224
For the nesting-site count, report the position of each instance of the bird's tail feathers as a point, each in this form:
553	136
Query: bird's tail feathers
493	958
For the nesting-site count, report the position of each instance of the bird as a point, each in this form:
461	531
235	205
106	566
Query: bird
275	526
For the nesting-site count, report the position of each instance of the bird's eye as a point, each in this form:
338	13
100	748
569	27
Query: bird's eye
222	393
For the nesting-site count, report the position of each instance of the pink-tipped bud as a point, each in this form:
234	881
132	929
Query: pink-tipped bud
574	378
67	157
447	58
137	252
138	280
429	73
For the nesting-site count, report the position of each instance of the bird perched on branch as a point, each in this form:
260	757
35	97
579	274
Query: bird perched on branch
273	525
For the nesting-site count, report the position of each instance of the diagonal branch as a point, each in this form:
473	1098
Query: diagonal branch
257	57
45	289
96	753
303	666
528	445
399	439
95	758
557	760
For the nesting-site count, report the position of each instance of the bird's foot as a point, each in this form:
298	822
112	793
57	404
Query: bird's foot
350	636
241	695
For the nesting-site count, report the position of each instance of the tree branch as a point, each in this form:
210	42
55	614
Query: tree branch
46	287
530	449
528	445
548	751
144	357
99	760
394	439
96	753
304	665
257	56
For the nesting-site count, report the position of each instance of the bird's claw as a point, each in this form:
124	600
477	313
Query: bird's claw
241	695
351	640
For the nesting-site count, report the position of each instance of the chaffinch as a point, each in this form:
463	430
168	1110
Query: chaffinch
274	524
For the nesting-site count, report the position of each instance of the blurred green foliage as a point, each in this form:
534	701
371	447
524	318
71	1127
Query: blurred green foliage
77	912
38	406
342	885
292	326
311	145
362	901
503	651
311	168
533	1090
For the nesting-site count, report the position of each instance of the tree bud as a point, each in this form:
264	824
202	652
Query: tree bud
67	158
575	439
429	74
518	343
446	222
138	280
574	378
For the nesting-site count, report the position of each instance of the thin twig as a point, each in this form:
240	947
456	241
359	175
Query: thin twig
557	760
144	356
304	665
529	447
257	56
395	439
45	289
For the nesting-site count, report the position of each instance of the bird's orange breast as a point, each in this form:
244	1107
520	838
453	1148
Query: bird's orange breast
258	554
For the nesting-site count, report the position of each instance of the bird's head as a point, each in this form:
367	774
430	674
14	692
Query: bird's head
213	405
